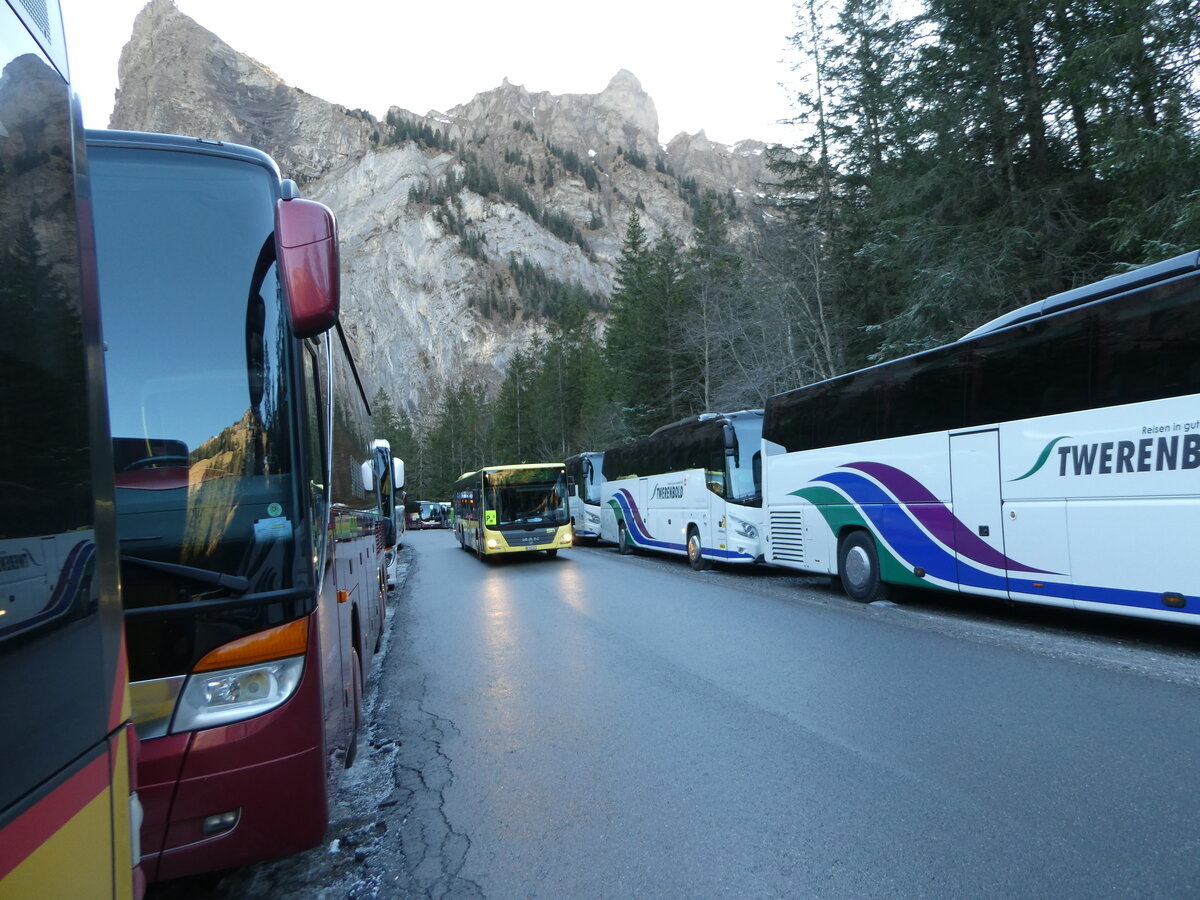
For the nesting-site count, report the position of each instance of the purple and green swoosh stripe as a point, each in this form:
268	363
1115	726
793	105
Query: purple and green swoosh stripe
915	524
918	526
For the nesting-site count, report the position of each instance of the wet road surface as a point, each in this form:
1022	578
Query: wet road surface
606	726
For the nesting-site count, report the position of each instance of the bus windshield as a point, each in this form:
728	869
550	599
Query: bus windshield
589	481
745	467
197	346
527	497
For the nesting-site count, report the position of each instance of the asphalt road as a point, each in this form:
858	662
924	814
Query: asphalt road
607	726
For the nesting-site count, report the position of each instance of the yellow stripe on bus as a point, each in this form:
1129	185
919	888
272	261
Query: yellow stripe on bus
77	861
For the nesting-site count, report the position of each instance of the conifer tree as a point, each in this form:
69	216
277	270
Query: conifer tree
973	157
713	270
677	370
515	409
629	348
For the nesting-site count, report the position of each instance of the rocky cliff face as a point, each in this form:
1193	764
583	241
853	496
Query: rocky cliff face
438	212
621	115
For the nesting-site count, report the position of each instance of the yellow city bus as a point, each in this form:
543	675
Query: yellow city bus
513	509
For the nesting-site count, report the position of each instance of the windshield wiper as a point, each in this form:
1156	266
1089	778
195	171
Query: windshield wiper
236	583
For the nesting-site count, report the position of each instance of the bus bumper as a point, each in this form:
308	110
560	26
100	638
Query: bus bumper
263	775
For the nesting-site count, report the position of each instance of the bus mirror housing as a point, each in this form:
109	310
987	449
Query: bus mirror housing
368	475
397	472
307	250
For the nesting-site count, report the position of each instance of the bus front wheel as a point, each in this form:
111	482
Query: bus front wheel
858	568
694	552
552	552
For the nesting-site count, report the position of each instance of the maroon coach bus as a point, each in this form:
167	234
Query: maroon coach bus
254	510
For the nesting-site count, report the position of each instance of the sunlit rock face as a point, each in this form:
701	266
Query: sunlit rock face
428	291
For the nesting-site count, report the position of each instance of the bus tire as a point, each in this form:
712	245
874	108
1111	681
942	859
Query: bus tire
624	547
858	568
356	677
694	551
552	552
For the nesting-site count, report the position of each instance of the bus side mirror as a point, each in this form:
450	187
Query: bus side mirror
368	475
397	472
307	250
731	444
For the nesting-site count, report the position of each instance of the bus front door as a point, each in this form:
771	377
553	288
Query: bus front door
976	502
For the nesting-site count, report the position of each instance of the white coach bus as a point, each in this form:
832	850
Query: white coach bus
585	475
692	488
1051	456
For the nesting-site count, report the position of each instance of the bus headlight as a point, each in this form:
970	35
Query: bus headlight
218	698
745	529
492	543
566	538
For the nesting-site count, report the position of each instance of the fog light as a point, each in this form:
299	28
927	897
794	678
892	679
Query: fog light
220	822
492	543
566	538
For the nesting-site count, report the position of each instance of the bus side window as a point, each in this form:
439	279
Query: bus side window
1142	349
714	474
1030	370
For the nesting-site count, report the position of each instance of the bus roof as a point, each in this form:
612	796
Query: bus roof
144	140
1116	284
583	455
512	466
710	417
1177	266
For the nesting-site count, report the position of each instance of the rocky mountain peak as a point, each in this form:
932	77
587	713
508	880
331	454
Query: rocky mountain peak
622	115
461	230
177	77
624	80
625	98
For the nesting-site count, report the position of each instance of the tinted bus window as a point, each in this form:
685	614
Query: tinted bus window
924	393
1030	370
200	400
1144	346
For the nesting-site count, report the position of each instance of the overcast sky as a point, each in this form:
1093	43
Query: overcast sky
712	66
